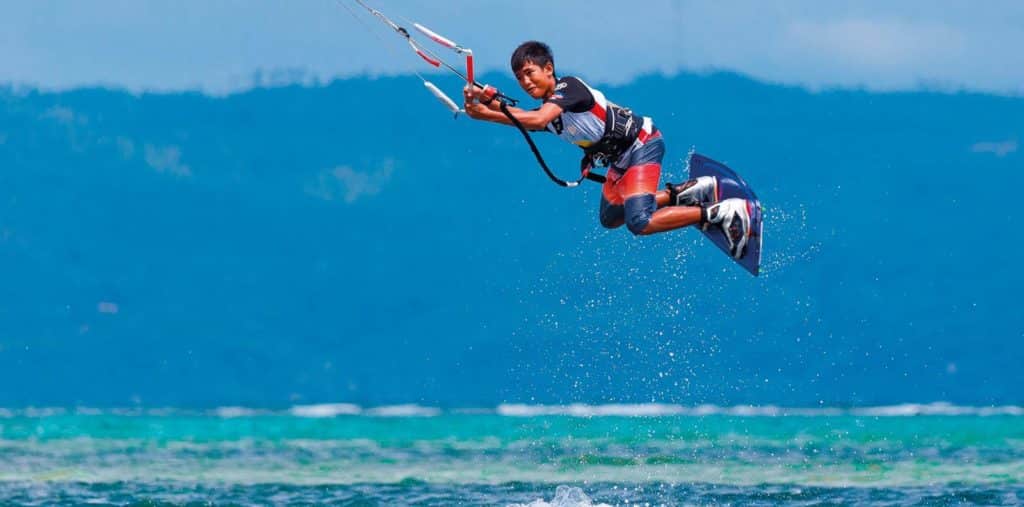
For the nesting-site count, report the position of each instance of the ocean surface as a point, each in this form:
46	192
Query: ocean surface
535	455
292	246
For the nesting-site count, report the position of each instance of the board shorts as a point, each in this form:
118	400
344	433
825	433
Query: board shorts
630	186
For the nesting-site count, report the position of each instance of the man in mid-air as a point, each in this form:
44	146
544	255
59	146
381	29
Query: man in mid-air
631	146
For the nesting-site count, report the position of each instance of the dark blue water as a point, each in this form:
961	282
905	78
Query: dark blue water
513	494
352	243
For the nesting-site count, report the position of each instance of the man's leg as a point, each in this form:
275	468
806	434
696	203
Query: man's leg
699	191
671	218
639	188
612	213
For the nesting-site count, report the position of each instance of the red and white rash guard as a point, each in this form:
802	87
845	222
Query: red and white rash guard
583	114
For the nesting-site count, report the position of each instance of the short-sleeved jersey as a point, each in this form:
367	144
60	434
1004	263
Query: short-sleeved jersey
583	112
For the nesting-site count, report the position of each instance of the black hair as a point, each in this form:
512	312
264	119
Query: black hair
532	52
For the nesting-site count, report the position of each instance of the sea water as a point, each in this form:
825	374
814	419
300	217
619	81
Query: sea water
573	455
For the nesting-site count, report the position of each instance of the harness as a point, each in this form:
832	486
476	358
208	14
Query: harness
621	129
504	103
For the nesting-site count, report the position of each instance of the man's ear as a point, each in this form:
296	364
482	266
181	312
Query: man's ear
549	68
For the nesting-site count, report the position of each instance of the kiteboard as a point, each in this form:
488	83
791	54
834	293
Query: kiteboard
732	185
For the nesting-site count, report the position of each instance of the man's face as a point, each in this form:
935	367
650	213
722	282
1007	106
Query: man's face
535	80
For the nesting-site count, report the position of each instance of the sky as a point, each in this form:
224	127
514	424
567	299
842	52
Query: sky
219	46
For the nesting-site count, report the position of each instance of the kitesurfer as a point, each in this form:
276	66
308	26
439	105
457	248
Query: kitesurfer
630	145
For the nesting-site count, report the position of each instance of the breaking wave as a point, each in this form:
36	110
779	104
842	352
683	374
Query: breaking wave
326	410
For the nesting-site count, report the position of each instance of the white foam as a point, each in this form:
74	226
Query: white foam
43	411
659	409
583	410
706	409
407	410
232	411
1002	410
325	410
939	408
936	408
754	411
565	496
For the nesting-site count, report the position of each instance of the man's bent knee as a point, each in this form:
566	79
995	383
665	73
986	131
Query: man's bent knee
639	209
611	215
611	222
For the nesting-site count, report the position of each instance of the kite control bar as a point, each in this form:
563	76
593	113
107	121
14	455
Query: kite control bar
490	93
448	43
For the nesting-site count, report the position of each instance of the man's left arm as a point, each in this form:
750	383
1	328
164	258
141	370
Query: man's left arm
532	120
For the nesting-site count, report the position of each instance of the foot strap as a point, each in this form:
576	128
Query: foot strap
671	193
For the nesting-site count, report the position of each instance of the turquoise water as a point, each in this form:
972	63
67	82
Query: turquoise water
341	454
